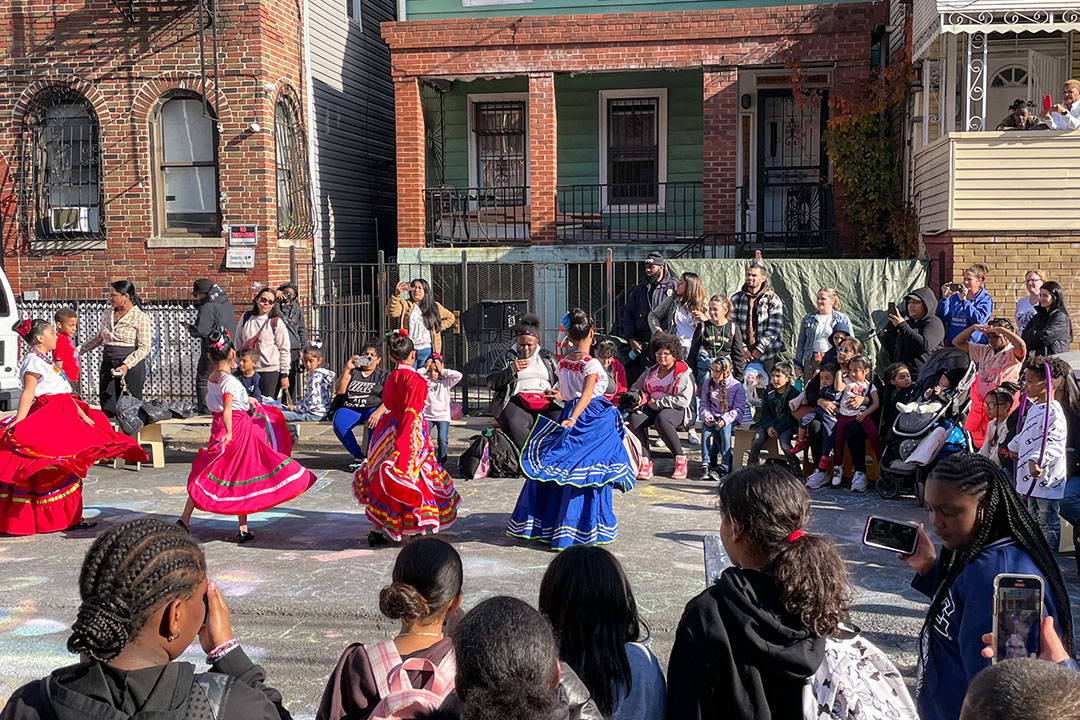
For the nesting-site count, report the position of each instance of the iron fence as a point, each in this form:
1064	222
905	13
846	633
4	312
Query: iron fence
174	354
622	212
712	246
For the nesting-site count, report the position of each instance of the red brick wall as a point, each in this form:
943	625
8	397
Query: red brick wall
122	69
719	41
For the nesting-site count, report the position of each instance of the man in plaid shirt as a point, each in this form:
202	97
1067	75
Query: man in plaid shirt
759	313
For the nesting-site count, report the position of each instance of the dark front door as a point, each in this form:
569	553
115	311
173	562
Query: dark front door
792	168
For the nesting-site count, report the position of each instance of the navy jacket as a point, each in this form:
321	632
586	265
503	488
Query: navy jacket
643	298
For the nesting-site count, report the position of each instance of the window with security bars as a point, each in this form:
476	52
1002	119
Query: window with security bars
633	151
64	169
186	177
502	149
290	167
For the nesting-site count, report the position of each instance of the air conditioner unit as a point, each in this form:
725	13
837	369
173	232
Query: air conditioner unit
70	219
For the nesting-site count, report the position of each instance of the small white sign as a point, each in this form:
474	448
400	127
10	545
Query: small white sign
240	257
243	235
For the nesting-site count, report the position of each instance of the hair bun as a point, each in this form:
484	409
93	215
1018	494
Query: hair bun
102	628
578	317
401	601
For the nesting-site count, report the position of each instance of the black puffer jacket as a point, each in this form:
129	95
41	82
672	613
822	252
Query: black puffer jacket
503	378
1049	332
912	342
215	312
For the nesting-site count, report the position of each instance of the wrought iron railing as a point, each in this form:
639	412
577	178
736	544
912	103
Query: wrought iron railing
711	246
660	212
476	216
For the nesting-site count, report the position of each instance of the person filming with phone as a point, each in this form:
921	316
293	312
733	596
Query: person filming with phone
964	304
985	532
524	384
1066	114
358	399
914	332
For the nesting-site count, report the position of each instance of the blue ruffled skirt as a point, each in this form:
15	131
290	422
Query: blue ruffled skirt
566	499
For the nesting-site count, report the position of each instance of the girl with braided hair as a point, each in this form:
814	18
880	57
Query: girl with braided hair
246	468
145	597
985	530
50	443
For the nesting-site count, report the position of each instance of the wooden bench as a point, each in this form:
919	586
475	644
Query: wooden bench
150	436
742	436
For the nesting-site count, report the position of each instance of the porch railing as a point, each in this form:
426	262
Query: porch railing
457	217
712	246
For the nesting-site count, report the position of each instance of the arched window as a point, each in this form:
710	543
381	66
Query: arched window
291	172
185	167
1012	76
62	171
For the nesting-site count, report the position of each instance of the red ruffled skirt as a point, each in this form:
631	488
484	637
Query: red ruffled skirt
253	471
45	456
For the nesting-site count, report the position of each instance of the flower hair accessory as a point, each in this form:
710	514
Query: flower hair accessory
401	332
436	356
315	343
223	337
23	328
790	539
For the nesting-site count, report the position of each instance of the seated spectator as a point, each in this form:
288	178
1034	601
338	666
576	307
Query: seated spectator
1021	118
998	403
745	647
911	339
508	667
1024	689
934	398
717	336
835	339
985	530
723	402
777	421
1066	115
898	389
524	384
359	398
826	377
858	403
971	305
998	362
667	391
1050	331
846	349
318	381
605	351
144	599
425	590
817	329
588	601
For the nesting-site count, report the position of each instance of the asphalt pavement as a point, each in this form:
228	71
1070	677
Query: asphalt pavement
308	585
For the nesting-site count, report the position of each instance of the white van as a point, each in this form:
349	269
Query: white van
10	388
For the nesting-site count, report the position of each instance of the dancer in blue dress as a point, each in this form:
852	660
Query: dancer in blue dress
570	466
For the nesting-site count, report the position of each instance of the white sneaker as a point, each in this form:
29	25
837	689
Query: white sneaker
837	477
817	480
858	482
656	443
693	436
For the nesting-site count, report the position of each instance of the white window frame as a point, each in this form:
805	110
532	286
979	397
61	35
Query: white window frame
357	12
661	96
481	3
471	100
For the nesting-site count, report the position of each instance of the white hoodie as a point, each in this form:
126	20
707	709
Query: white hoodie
1027	445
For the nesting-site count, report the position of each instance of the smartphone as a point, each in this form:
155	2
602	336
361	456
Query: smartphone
956	287
1018	611
1048	102
892	308
522	354
716	560
901	537
364	361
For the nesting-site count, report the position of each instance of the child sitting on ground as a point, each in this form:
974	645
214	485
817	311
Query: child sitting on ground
437	411
66	355
245	372
723	401
318	380
777	420
998	403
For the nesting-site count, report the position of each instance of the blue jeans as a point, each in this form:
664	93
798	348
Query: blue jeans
716	446
702	369
1070	508
828	427
293	416
1045	512
441	429
422	357
345	421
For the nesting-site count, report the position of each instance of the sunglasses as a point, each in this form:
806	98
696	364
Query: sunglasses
266	301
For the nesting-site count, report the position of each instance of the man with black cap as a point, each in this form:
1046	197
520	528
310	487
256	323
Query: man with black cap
214	312
657	286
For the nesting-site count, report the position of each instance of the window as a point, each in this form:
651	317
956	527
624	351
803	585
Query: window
353	10
501	148
290	168
186	178
64	169
633	146
1015	76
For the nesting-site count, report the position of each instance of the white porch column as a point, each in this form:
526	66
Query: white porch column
975	82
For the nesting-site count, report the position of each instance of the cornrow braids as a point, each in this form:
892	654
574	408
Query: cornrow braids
1000	514
130	570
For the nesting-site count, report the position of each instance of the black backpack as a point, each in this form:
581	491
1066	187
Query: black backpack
501	451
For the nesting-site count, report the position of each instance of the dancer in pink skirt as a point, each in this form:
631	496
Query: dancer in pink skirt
246	468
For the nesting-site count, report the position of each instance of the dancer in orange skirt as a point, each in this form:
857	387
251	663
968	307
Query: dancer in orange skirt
403	488
50	443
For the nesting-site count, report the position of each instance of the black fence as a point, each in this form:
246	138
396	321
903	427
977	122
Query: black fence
811	243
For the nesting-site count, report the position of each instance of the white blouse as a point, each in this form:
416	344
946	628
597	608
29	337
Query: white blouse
228	385
572	374
51	380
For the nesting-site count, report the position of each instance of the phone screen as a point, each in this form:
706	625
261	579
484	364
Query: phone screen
892	308
716	560
891	535
956	287
1017	614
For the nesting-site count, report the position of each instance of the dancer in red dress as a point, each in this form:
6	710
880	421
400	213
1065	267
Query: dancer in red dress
50	443
403	488
246	468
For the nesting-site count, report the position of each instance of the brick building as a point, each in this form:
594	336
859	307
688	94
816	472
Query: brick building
551	129
133	131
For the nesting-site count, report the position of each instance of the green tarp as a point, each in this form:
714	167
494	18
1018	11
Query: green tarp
865	288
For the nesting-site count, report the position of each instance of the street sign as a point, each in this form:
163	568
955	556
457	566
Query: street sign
243	235
240	257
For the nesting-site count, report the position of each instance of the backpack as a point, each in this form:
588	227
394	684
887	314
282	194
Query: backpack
490	454
398	699
856	681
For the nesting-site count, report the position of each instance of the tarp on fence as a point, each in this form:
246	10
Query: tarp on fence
865	288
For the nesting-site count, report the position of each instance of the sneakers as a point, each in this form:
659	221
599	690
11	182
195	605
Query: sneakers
858	482
680	468
817	480
645	470
837	476
798	446
693	435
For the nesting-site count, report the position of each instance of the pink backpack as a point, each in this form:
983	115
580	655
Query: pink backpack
398	698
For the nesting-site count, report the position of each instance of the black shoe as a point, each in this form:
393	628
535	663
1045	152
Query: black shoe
243	536
84	525
375	538
355	465
183	525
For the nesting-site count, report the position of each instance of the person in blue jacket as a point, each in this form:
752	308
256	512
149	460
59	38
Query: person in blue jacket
984	530
817	329
972	305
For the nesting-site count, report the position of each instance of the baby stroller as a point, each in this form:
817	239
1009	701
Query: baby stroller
919	438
